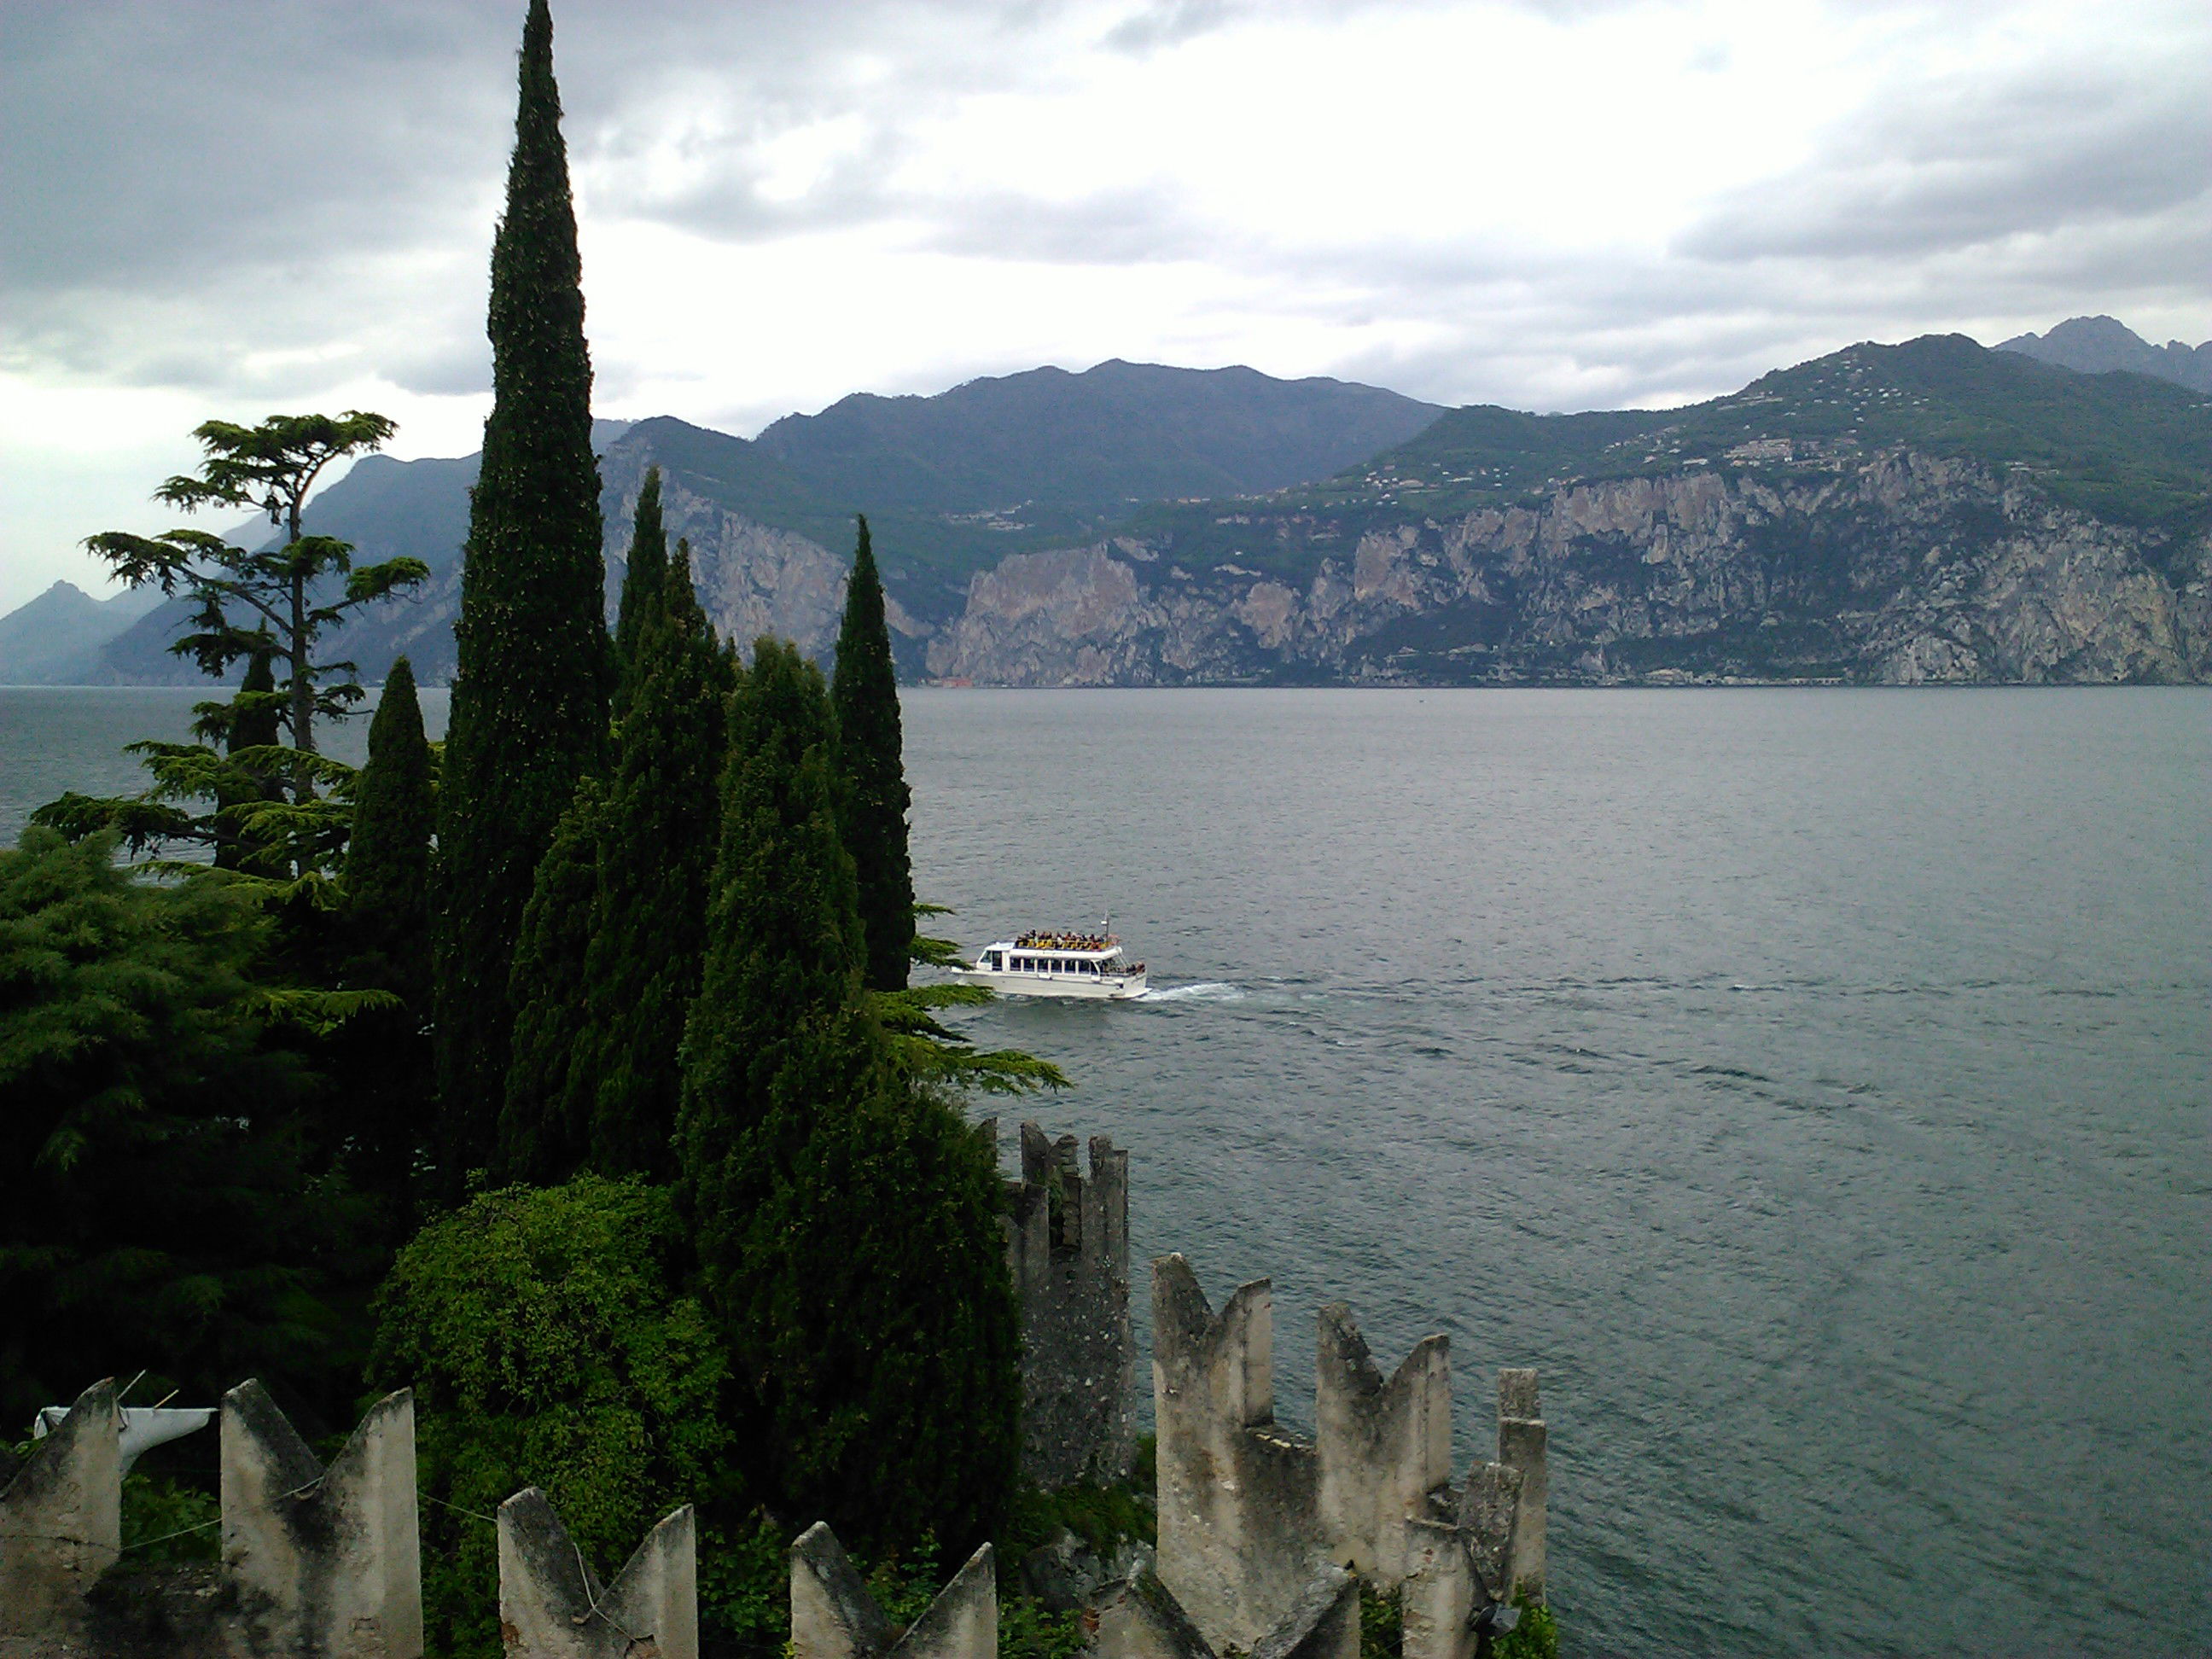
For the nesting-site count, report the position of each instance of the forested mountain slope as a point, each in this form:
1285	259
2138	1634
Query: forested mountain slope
951	483
1930	511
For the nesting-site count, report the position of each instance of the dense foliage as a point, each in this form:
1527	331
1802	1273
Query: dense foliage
529	710
153	1205
847	1220
384	944
544	1125
872	769
548	1344
648	919
644	575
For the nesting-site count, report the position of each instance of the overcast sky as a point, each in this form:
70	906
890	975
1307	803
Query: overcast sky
227	206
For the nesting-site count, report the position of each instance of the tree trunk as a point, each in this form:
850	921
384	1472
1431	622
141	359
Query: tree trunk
303	690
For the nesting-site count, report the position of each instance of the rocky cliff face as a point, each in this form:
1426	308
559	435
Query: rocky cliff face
751	580
1893	569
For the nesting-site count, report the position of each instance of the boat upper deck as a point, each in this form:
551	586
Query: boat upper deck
1070	944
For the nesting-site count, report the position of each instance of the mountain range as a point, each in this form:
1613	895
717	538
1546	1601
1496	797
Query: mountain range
2098	345
1933	510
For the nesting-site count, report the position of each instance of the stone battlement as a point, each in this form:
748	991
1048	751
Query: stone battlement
319	1563
1067	1250
1264	1536
1250	1514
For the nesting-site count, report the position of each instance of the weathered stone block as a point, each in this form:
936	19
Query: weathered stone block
1522	1447
833	1617
1067	1252
1323	1623
963	1622
1438	1597
1488	1510
326	1561
832	1614
1139	1618
1239	1533
1382	1447
61	1520
552	1607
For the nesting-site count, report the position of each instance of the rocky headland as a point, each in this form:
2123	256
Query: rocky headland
1892	568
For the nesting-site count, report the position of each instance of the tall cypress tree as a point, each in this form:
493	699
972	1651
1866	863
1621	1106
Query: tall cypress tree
644	575
387	869
780	985
648	918
846	1223
530	696
871	758
383	1056
544	1131
254	722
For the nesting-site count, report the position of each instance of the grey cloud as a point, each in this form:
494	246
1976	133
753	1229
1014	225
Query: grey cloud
1950	165
1168	22
1121	228
194	185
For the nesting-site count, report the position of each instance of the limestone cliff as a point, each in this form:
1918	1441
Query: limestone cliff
751	578
1895	568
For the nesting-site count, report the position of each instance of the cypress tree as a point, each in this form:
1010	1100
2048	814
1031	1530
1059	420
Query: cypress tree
530	696
382	1056
644	576
656	858
255	723
387	869
542	1135
847	1224
872	762
780	984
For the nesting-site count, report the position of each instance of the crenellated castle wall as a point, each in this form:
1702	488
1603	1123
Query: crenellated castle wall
1067	1250
1251	1515
1264	1536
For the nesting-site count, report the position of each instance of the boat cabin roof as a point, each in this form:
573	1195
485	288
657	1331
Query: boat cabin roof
1112	949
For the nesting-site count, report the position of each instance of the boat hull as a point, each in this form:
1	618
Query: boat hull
1071	987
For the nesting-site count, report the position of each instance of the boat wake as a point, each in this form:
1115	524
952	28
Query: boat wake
1205	991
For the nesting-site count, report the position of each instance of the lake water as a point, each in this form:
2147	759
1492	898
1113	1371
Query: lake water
1816	1086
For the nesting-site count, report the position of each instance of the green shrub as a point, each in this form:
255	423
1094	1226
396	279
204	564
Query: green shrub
165	1520
543	1333
1382	1622
744	1584
1536	1637
1027	1631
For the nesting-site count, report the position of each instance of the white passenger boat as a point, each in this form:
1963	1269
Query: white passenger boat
1058	965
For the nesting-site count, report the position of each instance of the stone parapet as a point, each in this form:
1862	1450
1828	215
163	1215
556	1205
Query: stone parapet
833	1616
1067	1252
552	1607
1382	1447
1248	1514
326	1561
61	1519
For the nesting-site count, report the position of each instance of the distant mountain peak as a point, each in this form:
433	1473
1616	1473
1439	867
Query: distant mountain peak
1092	440
2102	345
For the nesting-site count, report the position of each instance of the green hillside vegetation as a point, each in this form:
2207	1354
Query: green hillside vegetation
1093	442
2124	447
2129	448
